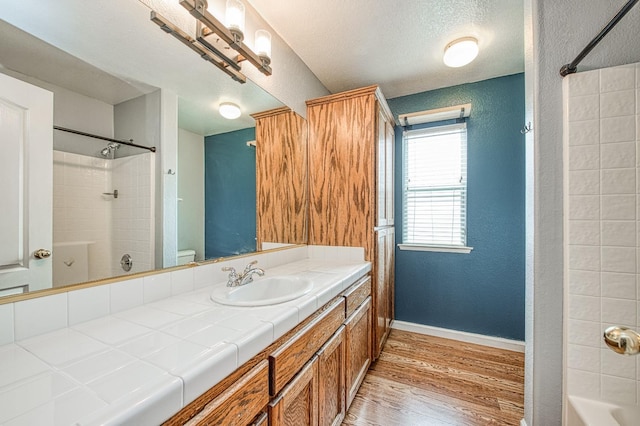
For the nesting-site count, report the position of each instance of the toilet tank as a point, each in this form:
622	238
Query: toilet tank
186	256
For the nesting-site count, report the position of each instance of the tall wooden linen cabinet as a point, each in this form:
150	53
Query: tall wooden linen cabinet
351	153
281	178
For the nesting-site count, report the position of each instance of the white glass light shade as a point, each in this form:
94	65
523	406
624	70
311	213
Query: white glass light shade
229	111
234	16
263	44
460	52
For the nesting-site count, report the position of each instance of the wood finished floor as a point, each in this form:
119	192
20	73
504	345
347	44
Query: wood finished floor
424	380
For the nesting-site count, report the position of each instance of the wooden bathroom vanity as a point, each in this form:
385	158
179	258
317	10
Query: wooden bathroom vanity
307	377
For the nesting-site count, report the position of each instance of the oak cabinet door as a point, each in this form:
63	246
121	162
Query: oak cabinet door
297	404
331	380
358	348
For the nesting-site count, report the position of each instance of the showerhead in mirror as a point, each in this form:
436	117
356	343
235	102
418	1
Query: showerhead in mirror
109	149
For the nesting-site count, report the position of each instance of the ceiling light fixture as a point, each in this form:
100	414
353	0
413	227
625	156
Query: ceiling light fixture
460	52
213	39
229	110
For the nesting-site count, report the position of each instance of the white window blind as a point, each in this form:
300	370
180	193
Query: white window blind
435	186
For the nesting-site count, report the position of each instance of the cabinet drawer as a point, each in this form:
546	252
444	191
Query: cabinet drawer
356	294
287	360
241	403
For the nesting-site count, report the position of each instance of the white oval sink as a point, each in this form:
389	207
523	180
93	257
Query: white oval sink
263	291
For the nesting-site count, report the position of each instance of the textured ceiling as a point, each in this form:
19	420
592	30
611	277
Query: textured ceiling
398	44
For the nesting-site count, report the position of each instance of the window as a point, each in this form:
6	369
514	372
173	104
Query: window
435	187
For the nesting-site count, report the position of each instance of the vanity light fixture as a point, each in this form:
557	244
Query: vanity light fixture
211	30
229	110
214	40
460	52
204	52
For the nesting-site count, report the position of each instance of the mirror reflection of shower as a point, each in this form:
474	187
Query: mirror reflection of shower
92	228
110	150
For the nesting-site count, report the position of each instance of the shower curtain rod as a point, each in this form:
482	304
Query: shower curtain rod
573	66
128	143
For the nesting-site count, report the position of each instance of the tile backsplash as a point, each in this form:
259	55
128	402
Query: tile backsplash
602	235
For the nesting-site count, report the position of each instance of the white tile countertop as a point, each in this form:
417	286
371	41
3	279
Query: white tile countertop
142	365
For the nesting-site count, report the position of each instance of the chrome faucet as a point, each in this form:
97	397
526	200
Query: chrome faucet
246	277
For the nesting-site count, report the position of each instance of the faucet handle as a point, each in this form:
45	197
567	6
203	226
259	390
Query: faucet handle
249	266
233	275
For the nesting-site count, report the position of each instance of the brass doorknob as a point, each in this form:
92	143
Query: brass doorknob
622	340
42	253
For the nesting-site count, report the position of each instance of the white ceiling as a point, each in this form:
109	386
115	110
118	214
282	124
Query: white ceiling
398	44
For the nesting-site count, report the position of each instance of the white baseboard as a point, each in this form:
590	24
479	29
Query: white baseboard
478	339
523	423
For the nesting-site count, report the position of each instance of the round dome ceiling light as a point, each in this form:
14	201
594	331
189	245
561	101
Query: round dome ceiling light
460	52
229	110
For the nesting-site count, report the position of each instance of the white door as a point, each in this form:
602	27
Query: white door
26	163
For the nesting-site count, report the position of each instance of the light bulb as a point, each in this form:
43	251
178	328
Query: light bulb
460	52
263	45
234	17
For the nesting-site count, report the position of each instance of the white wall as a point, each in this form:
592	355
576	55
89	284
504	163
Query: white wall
191	192
167	182
75	111
560	30
137	119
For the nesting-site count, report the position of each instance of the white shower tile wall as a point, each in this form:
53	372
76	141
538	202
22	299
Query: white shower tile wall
133	213
80	210
602	236
113	226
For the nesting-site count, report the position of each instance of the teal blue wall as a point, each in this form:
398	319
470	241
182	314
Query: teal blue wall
481	292
230	194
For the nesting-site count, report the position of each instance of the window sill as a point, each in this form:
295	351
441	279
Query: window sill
441	249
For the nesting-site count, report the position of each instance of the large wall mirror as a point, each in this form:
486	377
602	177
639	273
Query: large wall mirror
116	75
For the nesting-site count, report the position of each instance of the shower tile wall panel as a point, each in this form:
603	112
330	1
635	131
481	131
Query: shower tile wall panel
603	229
80	211
133	214
114	226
